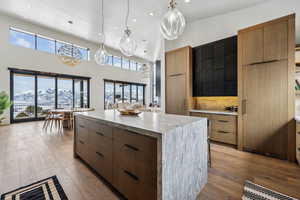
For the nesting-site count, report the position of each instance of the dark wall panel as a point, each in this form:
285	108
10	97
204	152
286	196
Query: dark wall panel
215	68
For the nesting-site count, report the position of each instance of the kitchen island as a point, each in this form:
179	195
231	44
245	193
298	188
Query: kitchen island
150	156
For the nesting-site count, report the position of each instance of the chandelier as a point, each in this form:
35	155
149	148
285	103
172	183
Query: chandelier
70	55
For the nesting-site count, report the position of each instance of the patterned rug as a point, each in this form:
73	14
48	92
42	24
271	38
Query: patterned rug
47	189
256	192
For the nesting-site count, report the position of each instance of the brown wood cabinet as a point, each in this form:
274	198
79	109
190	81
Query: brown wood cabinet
126	160
265	43
298	142
179	81
223	127
266	88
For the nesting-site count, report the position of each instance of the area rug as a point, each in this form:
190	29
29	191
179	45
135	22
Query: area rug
49	188
256	192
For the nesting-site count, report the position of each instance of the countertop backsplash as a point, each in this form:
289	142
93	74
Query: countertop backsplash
214	103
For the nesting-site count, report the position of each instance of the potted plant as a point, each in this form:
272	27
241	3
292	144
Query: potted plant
4	104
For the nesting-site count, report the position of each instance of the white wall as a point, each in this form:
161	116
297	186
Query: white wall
222	26
23	58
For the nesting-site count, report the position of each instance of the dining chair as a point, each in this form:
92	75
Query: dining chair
53	119
68	118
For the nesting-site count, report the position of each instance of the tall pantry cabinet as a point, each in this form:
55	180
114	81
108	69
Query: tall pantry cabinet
178	81
266	68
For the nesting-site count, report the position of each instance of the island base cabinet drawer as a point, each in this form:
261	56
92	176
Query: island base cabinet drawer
82	133
97	139
102	163
101	129
134	160
143	147
223	136
130	185
81	149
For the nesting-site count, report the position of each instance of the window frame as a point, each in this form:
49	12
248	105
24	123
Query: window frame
35	35
37	74
122	83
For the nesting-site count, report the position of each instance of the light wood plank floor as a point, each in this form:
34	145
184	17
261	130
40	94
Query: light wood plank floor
28	154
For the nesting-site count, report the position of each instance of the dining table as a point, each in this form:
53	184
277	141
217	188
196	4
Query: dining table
69	112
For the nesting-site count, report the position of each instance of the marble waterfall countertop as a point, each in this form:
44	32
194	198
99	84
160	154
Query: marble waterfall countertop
218	112
182	149
155	122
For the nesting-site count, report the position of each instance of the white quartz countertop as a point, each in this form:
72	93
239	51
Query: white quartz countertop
297	118
150	121
214	112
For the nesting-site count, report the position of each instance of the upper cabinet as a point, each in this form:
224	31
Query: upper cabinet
265	44
276	41
178	81
176	62
253	46
215	68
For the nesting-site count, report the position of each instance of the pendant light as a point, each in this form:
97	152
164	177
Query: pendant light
101	56
173	23
127	43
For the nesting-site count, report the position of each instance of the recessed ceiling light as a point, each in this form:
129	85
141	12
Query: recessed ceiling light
151	13
187	1
134	20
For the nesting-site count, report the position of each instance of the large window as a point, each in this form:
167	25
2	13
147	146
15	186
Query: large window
156	83
80	93
124	63
34	93
41	43
23	96
123	92
22	39
45	44
117	61
65	93
45	94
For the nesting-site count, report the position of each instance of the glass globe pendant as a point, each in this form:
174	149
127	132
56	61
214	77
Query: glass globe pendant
101	55
127	43
173	23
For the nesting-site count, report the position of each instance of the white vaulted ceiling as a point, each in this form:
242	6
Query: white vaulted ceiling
85	15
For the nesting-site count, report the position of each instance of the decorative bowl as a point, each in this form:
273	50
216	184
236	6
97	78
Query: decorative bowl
129	112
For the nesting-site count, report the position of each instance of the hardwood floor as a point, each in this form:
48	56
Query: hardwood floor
27	154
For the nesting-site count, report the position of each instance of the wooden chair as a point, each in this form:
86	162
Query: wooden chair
53	119
68	119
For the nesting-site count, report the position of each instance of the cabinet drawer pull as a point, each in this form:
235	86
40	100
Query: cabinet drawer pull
81	126
99	133
299	149
81	141
131	175
223	121
131	147
264	62
100	154
298	133
225	132
176	75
